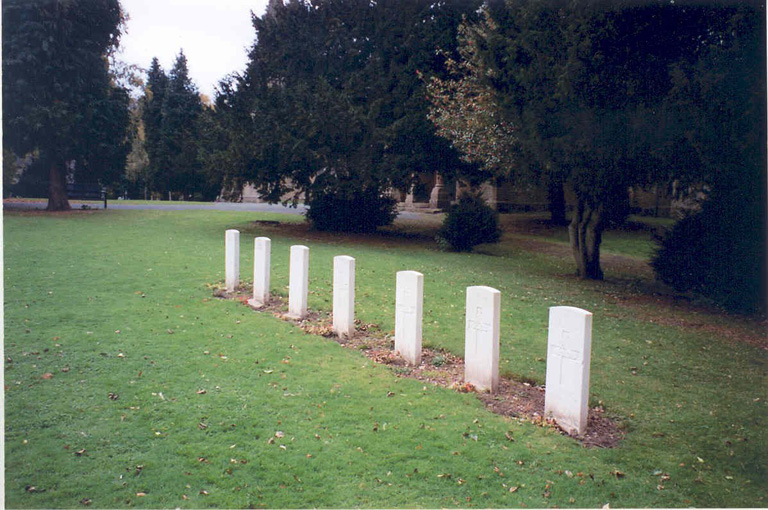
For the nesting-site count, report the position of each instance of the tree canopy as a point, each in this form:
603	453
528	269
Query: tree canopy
584	91
171	111
60	103
331	102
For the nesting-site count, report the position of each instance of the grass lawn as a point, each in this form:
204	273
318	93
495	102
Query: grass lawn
128	384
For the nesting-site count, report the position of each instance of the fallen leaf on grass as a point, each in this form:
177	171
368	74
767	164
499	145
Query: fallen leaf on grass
47	375
85	501
202	392
32	488
141	494
618	474
513	489
204	492
113	396
80	453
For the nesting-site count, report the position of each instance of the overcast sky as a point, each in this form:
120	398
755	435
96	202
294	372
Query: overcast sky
215	35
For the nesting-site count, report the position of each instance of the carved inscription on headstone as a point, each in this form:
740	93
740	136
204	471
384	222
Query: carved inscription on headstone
261	269
481	338
232	259
568	358
344	295
409	298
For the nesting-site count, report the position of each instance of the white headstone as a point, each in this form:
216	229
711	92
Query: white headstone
232	259
481	338
261	268
343	295
409	305
298	289
569	346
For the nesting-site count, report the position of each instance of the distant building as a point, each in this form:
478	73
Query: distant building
434	194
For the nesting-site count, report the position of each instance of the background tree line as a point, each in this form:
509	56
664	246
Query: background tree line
343	100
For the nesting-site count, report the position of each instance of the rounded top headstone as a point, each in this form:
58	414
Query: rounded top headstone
571	310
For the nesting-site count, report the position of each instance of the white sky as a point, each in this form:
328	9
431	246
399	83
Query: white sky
215	36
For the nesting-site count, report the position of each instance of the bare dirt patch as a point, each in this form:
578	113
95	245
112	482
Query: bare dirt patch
514	399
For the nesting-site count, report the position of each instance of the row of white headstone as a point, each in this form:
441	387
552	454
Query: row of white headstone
568	345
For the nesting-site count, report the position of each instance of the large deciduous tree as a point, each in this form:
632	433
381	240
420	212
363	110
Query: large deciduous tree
59	100
585	90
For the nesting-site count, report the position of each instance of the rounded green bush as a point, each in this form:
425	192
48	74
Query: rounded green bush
358	211
469	223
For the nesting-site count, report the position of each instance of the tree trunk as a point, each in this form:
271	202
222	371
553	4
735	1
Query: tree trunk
586	232
556	196
57	188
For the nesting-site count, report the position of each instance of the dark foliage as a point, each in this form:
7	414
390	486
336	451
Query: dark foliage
718	253
172	112
355	211
606	95
59	99
469	223
331	101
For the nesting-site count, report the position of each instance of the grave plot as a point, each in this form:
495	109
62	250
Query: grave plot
515	399
564	403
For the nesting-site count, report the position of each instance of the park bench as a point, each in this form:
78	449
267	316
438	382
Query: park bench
87	191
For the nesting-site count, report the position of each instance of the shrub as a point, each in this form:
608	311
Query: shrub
357	211
718	253
469	223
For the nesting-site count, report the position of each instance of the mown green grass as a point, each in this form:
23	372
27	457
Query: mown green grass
120	300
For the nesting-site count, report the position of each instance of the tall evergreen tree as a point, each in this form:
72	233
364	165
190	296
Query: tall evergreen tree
171	110
152	117
331	98
181	110
59	101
